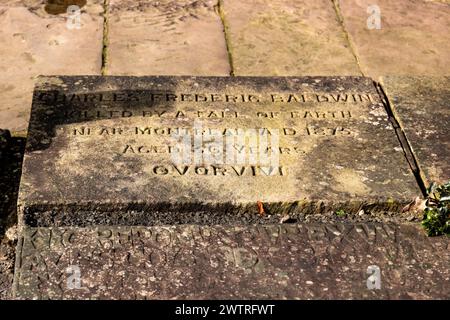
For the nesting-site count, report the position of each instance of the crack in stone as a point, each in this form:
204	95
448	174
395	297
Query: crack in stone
221	13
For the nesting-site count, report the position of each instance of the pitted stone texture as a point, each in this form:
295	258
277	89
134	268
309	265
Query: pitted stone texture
10	163
443	1
5	137
304	261
422	106
269	38
7	256
11	154
165	38
413	39
34	43
102	150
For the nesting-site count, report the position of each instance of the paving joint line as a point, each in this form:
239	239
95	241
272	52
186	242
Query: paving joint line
105	41
352	47
220	12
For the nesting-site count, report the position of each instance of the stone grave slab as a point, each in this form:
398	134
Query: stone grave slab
288	261
422	106
208	150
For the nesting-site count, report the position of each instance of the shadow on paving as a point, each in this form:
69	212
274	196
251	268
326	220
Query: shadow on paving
11	154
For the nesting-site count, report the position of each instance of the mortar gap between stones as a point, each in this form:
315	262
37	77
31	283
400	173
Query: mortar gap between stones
220	12
105	37
352	47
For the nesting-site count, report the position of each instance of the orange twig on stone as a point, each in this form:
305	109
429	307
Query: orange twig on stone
260	208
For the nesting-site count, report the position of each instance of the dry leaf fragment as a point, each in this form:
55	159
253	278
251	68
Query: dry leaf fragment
260	208
417	205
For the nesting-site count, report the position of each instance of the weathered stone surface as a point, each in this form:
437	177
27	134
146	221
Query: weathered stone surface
35	42
11	154
5	137
422	106
165	38
413	38
10	163
87	159
300	37
306	261
7	256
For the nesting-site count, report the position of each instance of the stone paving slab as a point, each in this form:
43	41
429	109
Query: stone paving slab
268	38
165	38
291	261
413	38
34	42
327	145
422	106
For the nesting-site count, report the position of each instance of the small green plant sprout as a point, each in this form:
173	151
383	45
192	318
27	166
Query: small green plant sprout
340	213
436	219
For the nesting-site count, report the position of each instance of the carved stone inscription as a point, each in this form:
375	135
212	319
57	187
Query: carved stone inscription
183	142
197	262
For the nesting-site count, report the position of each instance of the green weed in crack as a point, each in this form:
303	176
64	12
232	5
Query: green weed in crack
436	220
